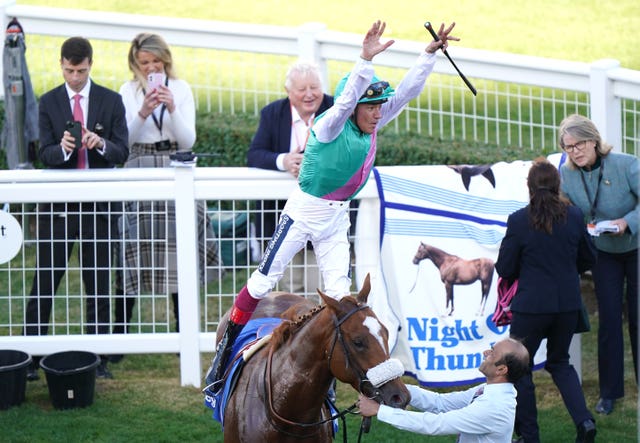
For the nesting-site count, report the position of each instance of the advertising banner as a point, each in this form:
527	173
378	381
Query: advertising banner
435	284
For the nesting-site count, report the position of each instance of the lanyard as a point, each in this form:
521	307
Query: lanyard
155	120
593	203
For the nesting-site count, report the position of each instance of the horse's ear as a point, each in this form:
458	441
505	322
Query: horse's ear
366	288
329	301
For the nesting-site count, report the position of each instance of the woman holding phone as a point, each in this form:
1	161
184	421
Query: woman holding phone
160	113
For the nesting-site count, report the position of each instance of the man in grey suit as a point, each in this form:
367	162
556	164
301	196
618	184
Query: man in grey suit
102	144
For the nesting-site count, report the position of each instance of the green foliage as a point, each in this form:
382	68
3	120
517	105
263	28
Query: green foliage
226	137
223	140
418	149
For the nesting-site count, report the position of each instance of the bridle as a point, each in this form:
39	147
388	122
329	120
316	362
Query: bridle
361	375
372	393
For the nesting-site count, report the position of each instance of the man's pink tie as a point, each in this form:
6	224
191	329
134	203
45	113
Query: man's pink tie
79	116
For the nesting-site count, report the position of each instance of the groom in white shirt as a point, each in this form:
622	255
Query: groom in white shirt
481	414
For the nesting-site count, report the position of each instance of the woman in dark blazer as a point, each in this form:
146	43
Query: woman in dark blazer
546	247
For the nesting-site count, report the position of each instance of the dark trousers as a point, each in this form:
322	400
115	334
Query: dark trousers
57	233
558	329
610	274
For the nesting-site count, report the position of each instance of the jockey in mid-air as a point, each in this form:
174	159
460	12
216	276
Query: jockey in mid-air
338	158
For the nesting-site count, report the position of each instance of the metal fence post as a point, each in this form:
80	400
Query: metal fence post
188	275
606	108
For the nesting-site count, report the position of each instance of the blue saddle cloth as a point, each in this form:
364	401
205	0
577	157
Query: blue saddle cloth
254	330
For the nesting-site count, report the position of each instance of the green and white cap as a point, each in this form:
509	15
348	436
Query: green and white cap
378	91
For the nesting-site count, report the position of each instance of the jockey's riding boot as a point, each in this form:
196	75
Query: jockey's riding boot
223	351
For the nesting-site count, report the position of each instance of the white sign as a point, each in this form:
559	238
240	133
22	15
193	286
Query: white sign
10	236
435	290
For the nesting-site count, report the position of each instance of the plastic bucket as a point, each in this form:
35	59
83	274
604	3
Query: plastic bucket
13	377
71	378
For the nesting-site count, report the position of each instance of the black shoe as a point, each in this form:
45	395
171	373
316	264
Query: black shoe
116	358
223	352
586	432
102	371
604	406
32	373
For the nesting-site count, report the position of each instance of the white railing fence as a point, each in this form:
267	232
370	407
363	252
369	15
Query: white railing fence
228	191
237	67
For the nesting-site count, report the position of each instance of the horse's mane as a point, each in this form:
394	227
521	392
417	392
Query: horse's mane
294	318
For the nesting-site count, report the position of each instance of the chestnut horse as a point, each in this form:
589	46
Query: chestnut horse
457	271
280	394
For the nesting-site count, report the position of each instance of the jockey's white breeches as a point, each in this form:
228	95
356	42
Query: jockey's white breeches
307	218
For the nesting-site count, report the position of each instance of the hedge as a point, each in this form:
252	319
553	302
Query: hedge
223	140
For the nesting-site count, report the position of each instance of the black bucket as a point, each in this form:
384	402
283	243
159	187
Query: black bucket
13	377
71	378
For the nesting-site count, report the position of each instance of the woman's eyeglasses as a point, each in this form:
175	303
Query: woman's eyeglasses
375	89
579	146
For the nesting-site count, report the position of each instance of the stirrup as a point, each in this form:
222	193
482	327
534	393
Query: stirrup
215	376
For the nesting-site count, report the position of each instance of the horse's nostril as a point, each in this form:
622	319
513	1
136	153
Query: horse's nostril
399	401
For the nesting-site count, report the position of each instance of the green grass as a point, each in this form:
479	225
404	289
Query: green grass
584	30
144	402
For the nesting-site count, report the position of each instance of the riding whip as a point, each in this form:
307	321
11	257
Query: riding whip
427	25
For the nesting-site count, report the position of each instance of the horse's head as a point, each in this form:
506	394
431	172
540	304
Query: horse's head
359	351
421	253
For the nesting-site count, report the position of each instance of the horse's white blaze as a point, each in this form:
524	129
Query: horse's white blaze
375	328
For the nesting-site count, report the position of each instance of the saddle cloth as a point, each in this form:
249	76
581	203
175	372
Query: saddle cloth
250	335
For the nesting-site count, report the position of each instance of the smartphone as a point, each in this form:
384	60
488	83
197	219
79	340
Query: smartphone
75	129
154	80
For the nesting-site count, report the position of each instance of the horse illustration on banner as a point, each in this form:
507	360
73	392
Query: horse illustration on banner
469	171
458	271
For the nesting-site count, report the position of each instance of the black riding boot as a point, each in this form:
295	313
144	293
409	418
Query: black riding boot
223	351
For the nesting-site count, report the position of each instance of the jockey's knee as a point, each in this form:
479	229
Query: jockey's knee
259	285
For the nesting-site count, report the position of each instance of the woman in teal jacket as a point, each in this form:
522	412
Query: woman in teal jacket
604	185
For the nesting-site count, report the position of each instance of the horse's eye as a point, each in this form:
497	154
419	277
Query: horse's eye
358	343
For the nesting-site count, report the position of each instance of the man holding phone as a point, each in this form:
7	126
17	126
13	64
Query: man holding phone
93	117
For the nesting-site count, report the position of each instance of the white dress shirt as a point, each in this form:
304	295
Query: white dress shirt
489	418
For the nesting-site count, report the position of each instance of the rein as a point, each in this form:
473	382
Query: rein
269	389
